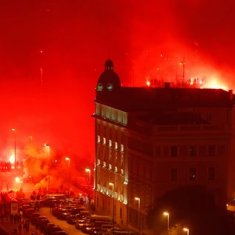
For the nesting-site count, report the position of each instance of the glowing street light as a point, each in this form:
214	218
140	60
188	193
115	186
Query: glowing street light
68	159
139	214
14	131
47	149
87	170
113	189
186	230
167	214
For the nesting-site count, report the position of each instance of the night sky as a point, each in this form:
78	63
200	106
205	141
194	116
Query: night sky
52	53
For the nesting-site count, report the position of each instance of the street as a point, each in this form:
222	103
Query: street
70	229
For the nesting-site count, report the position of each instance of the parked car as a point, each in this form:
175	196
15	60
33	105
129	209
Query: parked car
60	233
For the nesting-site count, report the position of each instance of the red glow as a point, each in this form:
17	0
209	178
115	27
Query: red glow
148	83
52	55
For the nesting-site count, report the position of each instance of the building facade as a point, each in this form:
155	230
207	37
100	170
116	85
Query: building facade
151	141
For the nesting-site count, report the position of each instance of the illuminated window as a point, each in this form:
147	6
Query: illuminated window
98	162
109	86
104	140
98	109
110	143
116	145
125	119
104	164
116	169
119	117
98	139
125	182
122	148
100	87
113	115
122	171
110	167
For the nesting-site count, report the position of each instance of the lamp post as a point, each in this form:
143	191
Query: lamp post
186	230
182	63
113	189
14	131
139	217
167	214
68	159
88	171
47	149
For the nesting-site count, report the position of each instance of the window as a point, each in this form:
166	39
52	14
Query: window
221	150
211	173
98	139
104	140
174	174
100	87
192	151
109	87
110	143
192	174
157	151
202	150
122	148
183	150
116	145
174	151
211	150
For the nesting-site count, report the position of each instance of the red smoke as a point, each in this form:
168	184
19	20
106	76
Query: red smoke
144	39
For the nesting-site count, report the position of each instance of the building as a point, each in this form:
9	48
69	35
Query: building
152	141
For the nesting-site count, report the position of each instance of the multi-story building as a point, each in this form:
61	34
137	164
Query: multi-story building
151	141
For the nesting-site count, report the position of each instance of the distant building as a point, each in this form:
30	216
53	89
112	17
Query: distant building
150	141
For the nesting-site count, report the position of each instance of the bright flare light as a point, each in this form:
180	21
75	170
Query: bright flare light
148	83
18	179
215	83
12	159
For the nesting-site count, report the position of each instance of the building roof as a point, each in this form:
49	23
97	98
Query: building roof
149	99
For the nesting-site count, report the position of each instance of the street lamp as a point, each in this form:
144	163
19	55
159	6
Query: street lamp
87	170
47	149
186	230
113	189
167	214
68	159
139	218
14	131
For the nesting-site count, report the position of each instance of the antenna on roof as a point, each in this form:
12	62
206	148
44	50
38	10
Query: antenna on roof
182	63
